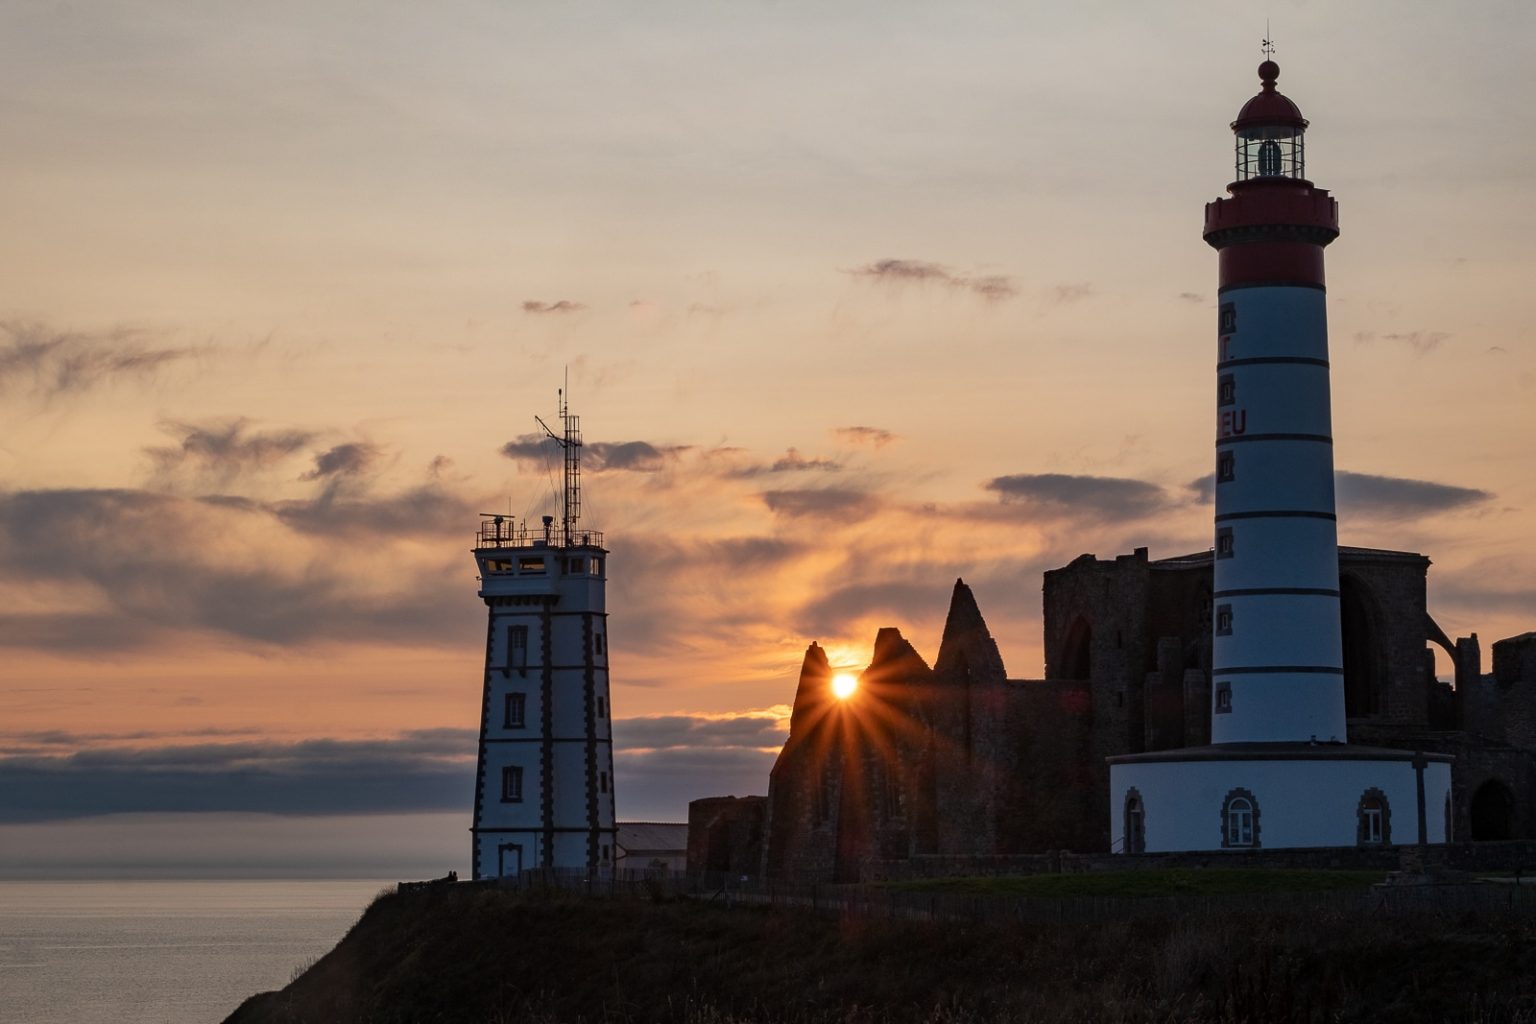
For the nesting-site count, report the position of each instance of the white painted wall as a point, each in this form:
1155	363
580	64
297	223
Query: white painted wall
1277	630
1301	803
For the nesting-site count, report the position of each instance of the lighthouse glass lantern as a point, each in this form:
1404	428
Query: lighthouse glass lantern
1270	133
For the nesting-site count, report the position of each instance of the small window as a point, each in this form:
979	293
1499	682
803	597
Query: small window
605	853
602	707
530	566
1240	822
1224	545
498	565
602	782
1223	700
517	648
597	567
1240	819
1226	390
512	784
1226	467
1223	620
1227	319
516	711
598	644
1374	822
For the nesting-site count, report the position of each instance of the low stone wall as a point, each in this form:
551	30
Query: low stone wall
1472	857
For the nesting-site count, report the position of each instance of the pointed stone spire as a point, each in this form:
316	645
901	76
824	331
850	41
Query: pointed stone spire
814	691
966	636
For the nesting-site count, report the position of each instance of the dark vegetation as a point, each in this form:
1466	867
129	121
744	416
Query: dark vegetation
1153	882
471	954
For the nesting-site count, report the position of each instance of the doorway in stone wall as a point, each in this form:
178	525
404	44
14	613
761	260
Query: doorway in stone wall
1493	812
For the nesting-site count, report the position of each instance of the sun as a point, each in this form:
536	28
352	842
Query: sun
843	685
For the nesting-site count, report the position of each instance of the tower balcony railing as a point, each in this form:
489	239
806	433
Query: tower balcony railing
511	534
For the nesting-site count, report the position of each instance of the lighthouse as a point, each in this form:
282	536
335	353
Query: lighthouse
544	794
1277	654
1279	772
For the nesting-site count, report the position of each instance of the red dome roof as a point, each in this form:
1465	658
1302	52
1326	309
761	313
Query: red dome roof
1269	106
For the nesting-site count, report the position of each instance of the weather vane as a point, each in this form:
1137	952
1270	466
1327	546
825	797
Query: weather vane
1268	45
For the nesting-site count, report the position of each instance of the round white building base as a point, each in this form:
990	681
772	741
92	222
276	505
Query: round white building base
1242	796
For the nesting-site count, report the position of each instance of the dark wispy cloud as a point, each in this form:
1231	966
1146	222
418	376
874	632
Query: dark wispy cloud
753	730
1076	291
559	306
159	564
351	459
41	361
790	462
657	620
1491	586
1420	342
1194	298
992	287
428	510
900	603
793	461
1378	496
1105	497
662	762
223	450
875	437
538	451
830	502
1400	496
425	770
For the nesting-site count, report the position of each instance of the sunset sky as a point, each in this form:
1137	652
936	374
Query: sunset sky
855	299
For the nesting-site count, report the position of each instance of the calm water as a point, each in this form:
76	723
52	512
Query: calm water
161	952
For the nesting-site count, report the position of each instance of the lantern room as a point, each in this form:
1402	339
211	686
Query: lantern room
1271	133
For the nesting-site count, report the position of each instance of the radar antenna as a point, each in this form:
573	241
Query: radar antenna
570	442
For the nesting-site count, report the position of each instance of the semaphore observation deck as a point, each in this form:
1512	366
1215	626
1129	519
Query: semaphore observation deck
497	532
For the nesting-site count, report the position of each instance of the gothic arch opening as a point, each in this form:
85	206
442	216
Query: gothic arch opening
1493	812
1364	655
1077	651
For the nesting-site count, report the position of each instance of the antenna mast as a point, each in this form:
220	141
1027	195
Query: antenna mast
570	443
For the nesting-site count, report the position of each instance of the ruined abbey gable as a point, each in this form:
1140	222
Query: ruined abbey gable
957	759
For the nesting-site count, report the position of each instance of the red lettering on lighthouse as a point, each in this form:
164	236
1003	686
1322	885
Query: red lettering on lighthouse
1232	423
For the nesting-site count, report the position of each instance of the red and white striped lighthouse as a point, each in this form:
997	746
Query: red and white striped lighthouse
1277	670
1279	771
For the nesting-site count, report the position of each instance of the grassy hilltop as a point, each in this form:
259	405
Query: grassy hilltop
478	955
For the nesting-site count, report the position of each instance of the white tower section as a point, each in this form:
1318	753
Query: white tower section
1278	773
1277	663
544	794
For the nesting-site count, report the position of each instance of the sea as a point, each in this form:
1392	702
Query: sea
162	952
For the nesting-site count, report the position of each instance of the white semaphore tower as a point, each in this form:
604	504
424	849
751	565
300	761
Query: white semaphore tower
1279	771
544	783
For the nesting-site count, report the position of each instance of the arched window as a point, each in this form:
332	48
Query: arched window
1240	820
1135	838
1077	651
1373	819
1365	660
